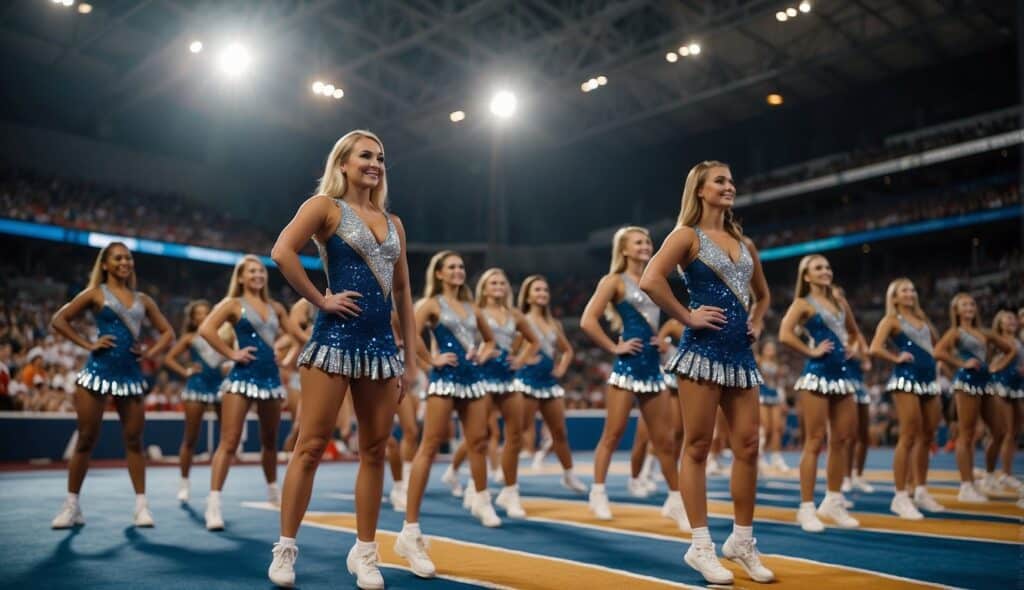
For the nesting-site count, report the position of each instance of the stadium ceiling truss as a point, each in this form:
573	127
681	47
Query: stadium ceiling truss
406	64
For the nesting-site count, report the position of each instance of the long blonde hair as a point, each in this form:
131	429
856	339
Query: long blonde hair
98	276
334	184
997	322
189	324
954	317
692	207
235	289
803	287
524	293
617	266
892	309
433	286
481	285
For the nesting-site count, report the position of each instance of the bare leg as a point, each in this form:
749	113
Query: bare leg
815	410
618	403
639	452
269	413
908	412
435	432
931	413
394	456
529	422
994	412
967	409
133	420
553	412
511	406
656	410
410	429
842	418
322	394
374	403
699	404
293	408
473	415
89	409
193	422
741	408
232	421
1013	429
863	439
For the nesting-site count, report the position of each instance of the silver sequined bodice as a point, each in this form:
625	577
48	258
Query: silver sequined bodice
504	334
462	327
736	275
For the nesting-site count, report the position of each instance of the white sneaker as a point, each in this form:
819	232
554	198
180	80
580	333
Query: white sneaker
483	509
702	558
508	498
970	494
214	520
926	501
467	496
498	477
363	565
273	495
142	517
674	510
70	515
808	520
598	503
745	553
861	484
713	467
183	491
1008	481
847	503
847	486
413	548
538	461
282	568
571	482
1020	503
989	484
650	484
637	488
451	479
779	463
397	498
904	507
834	510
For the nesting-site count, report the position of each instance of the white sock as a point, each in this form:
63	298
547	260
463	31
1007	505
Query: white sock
366	546
214	497
807	505
645	471
776	456
272	487
567	471
920	491
406	470
184	482
701	536
674	496
966	484
510	489
450	470
597	487
286	541
742	532
412	528
902	494
833	496
73	498
140	501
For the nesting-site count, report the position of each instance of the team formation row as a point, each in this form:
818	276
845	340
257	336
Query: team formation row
486	351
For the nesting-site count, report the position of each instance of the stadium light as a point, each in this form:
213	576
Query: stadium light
774	99
195	46
503	104
694	48
781	16
671	57
602	80
84	8
234	60
791	12
338	93
457	116
318	87
684	50
67	2
805	7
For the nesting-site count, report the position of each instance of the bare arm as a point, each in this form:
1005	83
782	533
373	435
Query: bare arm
565	358
427	313
171	358
762	295
526	335
487	346
293	330
944	350
678	248
798	311
61	322
878	348
608	289
401	292
1005	346
228	310
156	317
299	315
671	329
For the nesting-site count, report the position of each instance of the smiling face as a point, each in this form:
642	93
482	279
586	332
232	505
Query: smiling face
364	167
538	294
637	246
199	314
966	309
119	263
906	295
1008	324
496	287
818	272
452	271
718	189
253	277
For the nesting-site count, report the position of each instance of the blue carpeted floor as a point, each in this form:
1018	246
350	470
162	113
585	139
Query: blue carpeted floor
180	553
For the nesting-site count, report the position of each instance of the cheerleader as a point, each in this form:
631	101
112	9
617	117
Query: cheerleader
965	346
1008	383
203	377
538	379
456	325
636	374
915	392
255	377
715	365
352	347
112	370
857	450
509	325
825	388
773	406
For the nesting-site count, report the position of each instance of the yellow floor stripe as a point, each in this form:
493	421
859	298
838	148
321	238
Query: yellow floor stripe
971	529
510	569
791	573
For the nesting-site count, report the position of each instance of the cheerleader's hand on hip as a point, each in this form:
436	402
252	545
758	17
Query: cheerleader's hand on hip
103	342
973	364
754	331
631	346
407	383
707	316
343	304
823	348
904	358
558	373
447	359
243	355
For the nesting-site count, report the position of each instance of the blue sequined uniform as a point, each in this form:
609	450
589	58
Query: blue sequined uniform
769	394
721	356
116	370
363	346
856	375
1008	382
917	376
204	386
640	372
972	381
260	378
829	373
457	334
496	374
535	380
